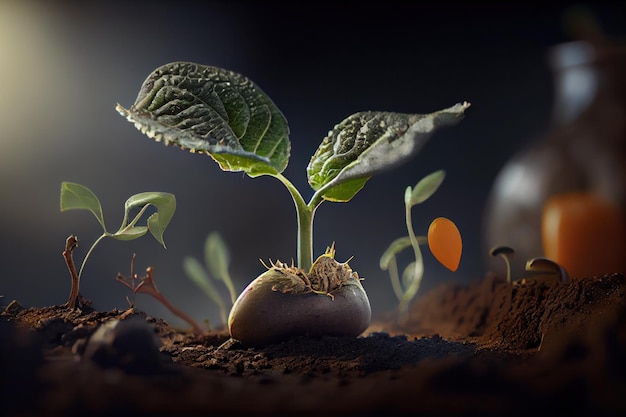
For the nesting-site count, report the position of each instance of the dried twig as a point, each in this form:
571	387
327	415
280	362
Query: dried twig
71	243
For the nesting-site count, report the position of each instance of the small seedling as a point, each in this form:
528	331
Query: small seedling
540	267
548	267
216	260
145	284
506	253
78	197
443	238
225	115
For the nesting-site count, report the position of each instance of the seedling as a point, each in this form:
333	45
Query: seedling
443	238
78	197
506	253
540	267
146	284
547	267
216	260
225	115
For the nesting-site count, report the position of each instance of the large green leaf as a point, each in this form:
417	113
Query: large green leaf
368	143
214	111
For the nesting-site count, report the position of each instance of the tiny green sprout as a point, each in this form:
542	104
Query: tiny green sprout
218	112
505	253
78	197
407	287
216	260
146	284
548	267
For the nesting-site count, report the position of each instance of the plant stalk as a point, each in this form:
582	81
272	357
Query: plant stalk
418	268
71	243
305	215
82	266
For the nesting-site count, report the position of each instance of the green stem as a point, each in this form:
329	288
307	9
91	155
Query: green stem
305	215
418	269
395	278
80	272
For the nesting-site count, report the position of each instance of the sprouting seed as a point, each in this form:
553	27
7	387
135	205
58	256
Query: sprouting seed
547	266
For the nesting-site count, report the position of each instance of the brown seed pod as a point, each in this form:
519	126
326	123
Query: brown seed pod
282	302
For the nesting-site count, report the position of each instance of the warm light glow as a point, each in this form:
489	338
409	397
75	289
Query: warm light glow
585	234
33	81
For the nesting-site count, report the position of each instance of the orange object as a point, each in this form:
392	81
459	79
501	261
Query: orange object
444	241
584	233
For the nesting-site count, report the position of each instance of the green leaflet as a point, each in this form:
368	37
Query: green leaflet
368	143
214	111
424	189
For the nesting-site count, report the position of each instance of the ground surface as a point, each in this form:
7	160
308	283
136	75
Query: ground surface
486	348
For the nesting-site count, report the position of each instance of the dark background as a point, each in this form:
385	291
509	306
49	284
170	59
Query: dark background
64	66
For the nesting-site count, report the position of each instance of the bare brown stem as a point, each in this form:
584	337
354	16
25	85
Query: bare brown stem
71	243
151	289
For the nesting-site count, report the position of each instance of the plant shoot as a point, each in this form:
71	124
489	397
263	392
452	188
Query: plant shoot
223	114
78	197
443	238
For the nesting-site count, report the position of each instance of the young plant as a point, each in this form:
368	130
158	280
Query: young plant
506	253
146	284
225	115
443	238
216	260
78	197
542	268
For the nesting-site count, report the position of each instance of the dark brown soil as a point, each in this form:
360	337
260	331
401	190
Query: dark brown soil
484	348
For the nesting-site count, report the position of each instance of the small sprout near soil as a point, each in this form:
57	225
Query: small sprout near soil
145	284
78	197
548	267
216	261
542	267
444	241
505	253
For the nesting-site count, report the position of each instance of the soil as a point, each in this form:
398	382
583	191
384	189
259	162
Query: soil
488	347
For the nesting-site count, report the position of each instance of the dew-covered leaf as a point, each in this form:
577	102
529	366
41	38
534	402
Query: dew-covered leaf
215	111
368	143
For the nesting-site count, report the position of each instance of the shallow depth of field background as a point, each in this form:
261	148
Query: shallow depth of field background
64	66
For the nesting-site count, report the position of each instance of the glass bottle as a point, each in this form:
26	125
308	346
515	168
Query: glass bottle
584	153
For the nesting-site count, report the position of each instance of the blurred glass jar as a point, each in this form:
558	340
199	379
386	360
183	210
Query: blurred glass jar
584	152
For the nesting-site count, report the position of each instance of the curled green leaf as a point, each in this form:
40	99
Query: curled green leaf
130	233
214	111
368	143
165	204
